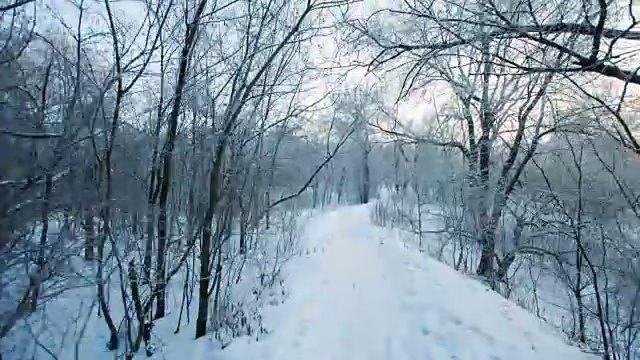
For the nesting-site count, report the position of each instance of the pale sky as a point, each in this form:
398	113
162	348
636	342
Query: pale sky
52	14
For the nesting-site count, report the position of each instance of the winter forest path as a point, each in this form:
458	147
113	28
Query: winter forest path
357	293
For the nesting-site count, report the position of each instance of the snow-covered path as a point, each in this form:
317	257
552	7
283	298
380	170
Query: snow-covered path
359	294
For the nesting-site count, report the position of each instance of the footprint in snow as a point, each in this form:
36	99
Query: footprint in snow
483	334
456	320
447	343
448	318
411	292
414	267
410	305
425	331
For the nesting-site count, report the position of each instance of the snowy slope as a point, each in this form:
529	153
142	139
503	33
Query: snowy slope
357	293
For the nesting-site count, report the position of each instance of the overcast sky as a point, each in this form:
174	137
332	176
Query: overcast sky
61	17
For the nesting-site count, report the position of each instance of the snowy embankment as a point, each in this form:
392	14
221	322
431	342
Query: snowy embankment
69	325
358	293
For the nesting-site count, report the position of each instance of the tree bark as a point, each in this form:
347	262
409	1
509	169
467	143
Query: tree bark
90	234
206	247
41	261
104	308
189	42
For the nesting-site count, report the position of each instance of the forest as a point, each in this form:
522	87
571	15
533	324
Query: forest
159	158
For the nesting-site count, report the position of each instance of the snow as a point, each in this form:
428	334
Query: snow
358	293
354	291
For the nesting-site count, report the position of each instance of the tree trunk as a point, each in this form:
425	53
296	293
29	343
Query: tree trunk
486	223
268	210
137	303
341	184
90	235
365	178
314	197
365	186
485	266
41	261
113	331
205	274
243	229
578	294
148	248
504	265
161	259
154	181
488	243
189	42
206	247
218	282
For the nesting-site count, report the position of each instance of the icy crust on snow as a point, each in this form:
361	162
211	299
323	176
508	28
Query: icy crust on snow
357	293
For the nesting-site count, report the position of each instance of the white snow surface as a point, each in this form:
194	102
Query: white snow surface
357	293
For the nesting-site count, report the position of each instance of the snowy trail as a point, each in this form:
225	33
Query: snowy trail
359	294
